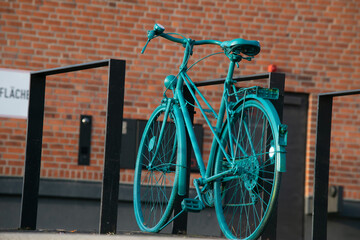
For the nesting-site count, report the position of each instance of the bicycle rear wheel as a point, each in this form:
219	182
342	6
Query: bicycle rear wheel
244	199
156	174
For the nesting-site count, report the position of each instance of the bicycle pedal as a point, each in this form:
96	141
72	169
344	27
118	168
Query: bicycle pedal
192	205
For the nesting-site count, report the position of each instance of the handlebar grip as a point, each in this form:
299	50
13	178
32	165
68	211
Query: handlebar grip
151	35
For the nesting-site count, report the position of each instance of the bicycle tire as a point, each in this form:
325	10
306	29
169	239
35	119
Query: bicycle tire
155	187
244	199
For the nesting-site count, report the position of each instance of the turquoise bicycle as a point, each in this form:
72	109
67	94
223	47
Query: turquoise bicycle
247	155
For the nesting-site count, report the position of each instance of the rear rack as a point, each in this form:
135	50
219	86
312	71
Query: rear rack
266	93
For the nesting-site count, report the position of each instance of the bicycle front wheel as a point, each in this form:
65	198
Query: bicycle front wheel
155	179
245	197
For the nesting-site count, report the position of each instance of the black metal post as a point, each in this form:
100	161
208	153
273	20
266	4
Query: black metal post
111	175
276	80
322	154
180	223
29	200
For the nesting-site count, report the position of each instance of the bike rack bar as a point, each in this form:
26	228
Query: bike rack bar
73	68
275	80
111	176
322	162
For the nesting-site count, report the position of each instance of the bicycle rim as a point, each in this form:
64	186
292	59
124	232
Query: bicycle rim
155	179
245	198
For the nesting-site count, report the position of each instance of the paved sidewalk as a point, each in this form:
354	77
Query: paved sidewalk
83	236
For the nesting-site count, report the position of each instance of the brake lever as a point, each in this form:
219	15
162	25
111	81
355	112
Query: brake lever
143	50
151	35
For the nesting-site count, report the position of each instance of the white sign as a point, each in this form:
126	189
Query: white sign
14	93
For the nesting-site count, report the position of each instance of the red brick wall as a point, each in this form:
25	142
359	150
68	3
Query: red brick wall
316	43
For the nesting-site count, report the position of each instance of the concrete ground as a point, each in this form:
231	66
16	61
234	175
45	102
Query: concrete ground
31	235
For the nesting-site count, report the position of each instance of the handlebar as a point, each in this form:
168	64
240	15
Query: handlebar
183	40
159	31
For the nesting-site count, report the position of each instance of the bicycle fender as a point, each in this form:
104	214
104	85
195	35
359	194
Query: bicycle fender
181	155
280	132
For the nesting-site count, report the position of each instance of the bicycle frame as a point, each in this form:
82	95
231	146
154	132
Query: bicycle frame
184	78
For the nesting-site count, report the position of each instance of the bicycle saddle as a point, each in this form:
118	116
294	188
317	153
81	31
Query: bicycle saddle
239	45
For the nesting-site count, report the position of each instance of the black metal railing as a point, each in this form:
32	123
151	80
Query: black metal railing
111	174
322	162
